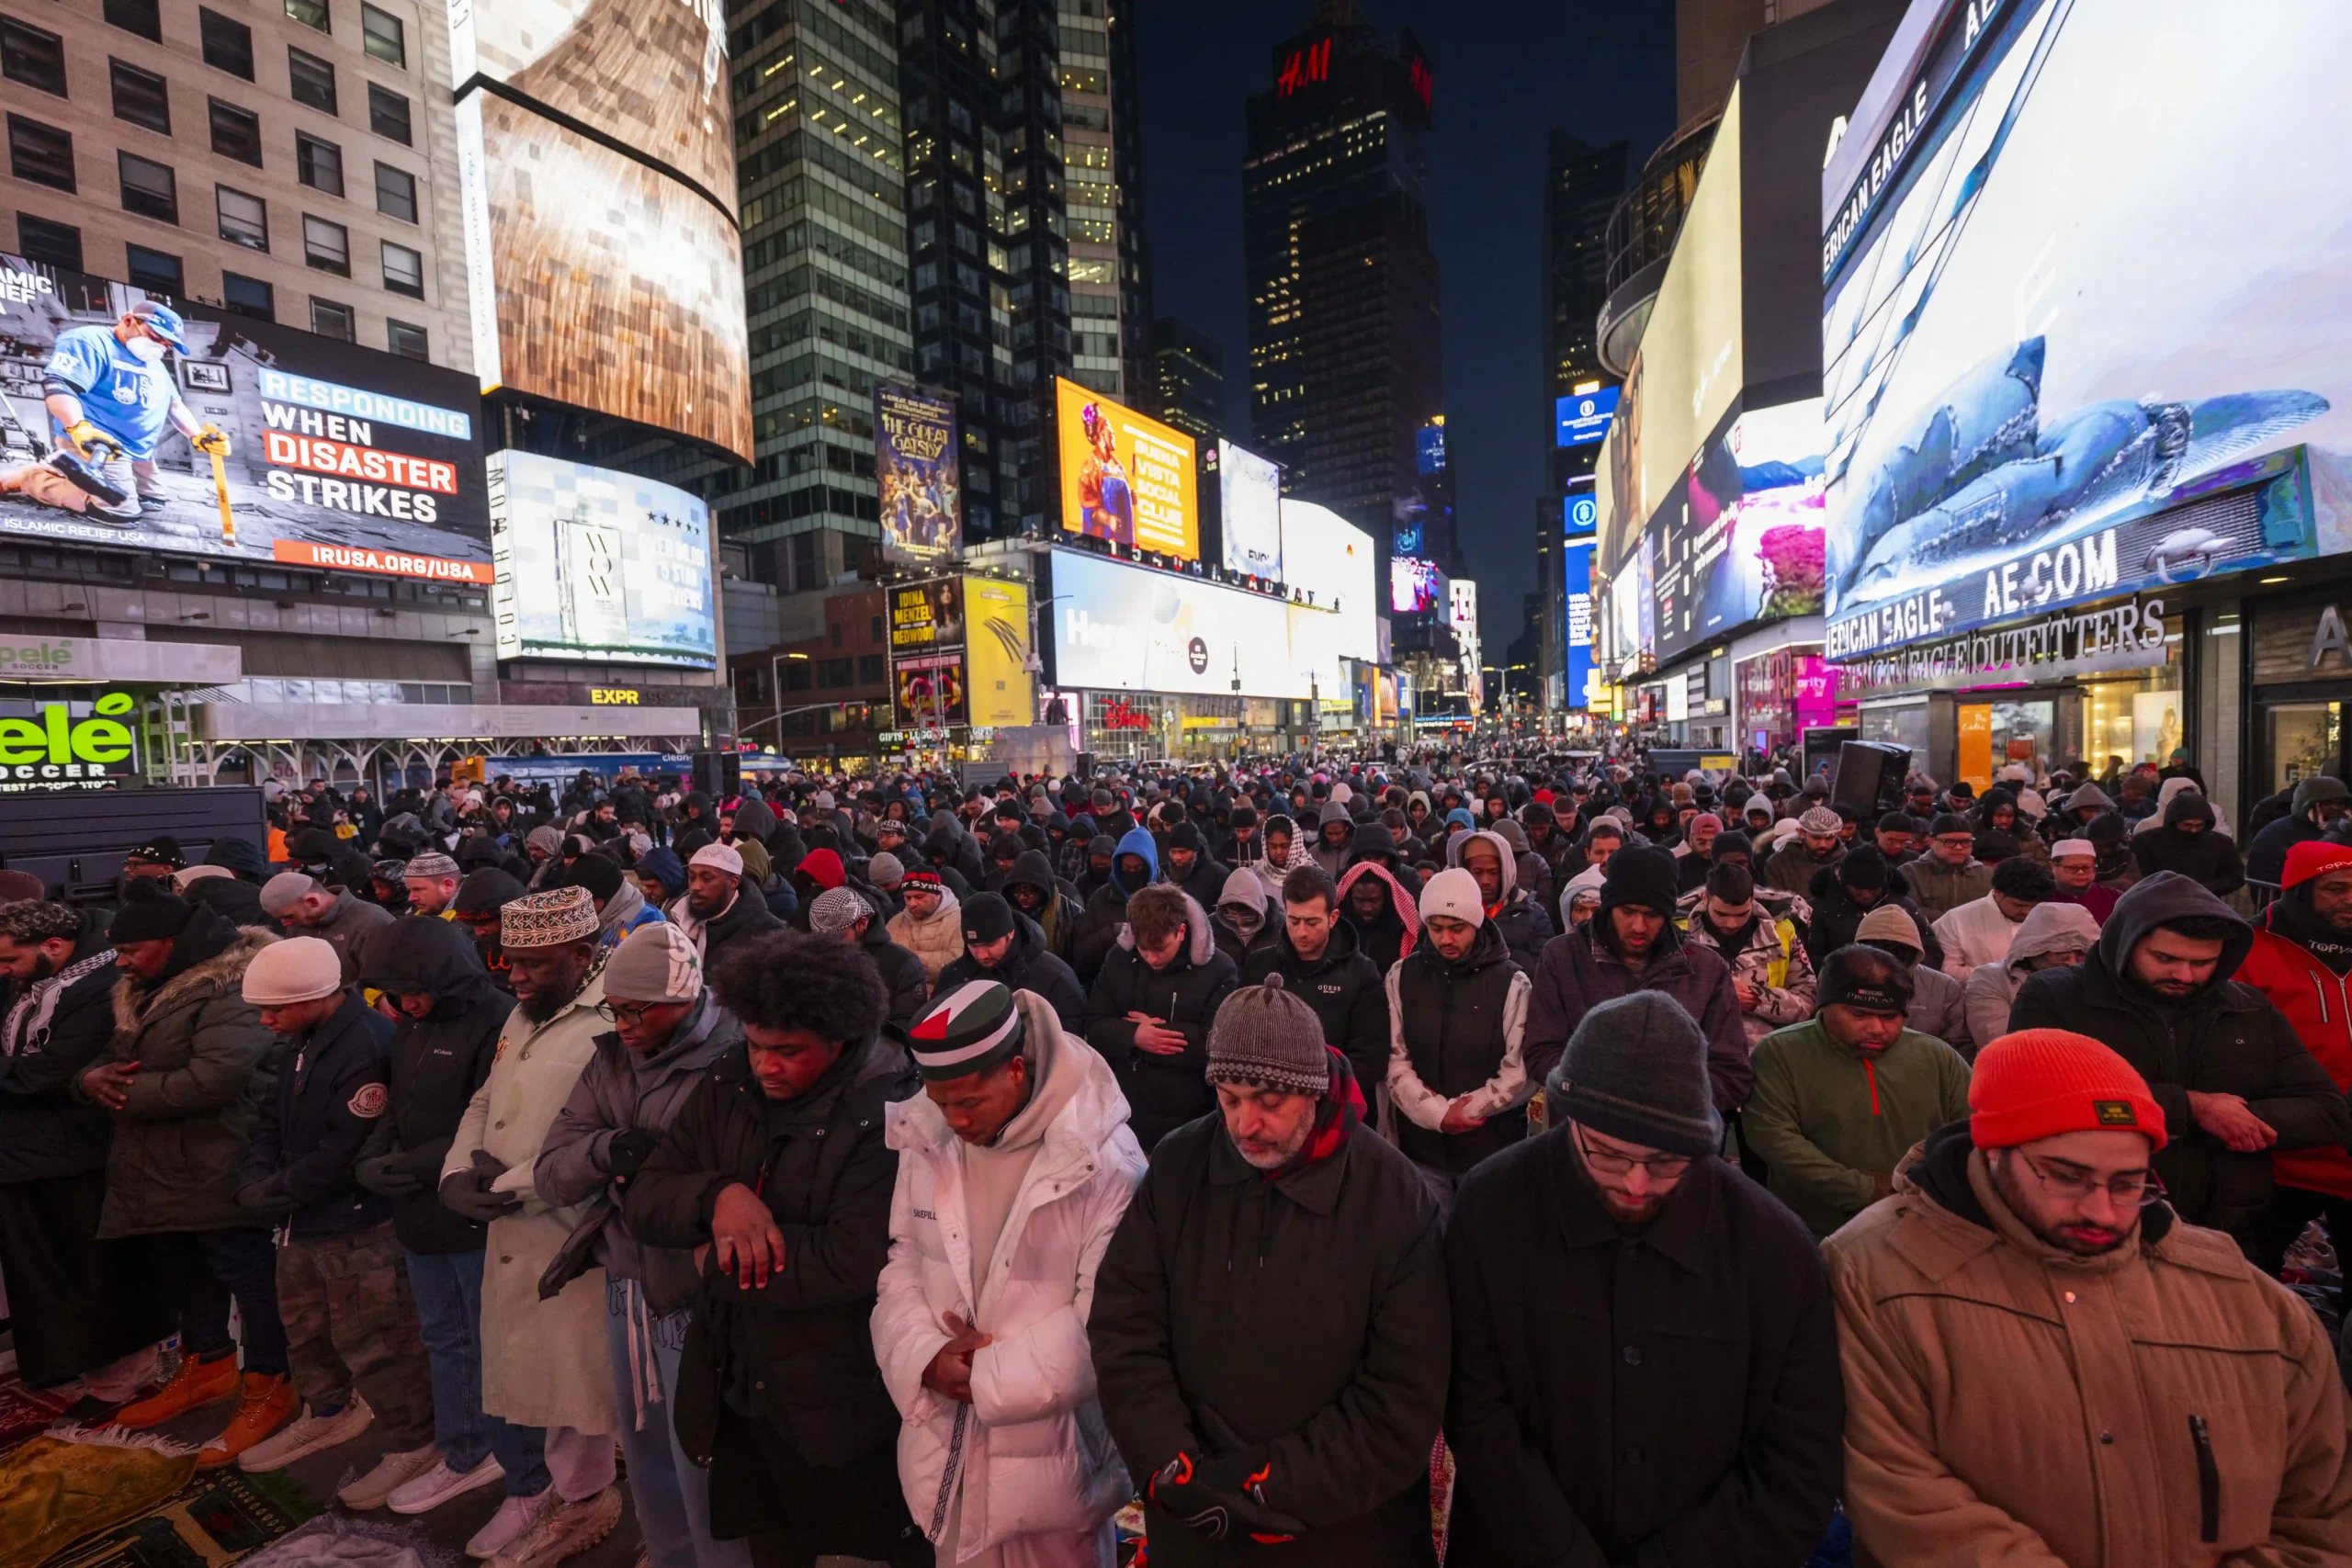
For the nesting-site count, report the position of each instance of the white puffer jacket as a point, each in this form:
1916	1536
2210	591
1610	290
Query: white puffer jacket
1030	1451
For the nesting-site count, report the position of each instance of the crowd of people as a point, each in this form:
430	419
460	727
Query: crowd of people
1643	1169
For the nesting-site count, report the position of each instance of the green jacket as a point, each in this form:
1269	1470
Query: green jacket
1823	1119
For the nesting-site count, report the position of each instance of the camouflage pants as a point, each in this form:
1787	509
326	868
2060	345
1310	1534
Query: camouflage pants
351	1324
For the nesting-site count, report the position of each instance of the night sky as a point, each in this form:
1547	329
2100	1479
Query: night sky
1507	71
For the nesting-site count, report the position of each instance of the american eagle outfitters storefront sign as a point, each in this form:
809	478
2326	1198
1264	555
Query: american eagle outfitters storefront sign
2130	635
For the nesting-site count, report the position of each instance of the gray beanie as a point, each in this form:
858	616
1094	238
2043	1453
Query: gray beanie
1636	1069
885	870
836	909
1265	1037
655	963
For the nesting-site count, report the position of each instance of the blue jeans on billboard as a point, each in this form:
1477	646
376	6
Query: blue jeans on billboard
671	1493
448	1288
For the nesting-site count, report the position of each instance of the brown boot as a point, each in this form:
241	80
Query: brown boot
196	1383
263	1405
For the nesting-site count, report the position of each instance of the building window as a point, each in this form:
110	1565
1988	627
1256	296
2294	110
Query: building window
310	13
836	673
396	193
244	220
228	44
405	339
139	97
47	243
331	320
319	163
403	270
236	133
144	17
149	189
248	297
869	669
388	115
381	36
33	57
796	674
41	153
326	246
157	272
312	80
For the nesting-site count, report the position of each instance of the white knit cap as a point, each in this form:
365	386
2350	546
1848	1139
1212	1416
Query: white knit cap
2066	847
299	969
723	856
1454	893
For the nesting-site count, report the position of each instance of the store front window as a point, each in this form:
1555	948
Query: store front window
2304	739
1993	735
2127	722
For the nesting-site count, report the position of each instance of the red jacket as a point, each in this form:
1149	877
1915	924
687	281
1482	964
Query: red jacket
2318	1003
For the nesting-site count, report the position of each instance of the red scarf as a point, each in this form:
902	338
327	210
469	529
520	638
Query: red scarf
1341	1114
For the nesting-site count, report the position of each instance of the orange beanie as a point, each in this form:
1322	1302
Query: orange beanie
2038	1083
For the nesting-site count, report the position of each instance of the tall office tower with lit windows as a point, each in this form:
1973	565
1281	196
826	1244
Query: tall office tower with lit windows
1343	289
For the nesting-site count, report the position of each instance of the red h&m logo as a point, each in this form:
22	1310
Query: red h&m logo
1119	714
1312	64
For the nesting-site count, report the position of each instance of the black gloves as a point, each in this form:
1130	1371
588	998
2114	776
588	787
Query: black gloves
626	1151
387	1175
263	1200
1222	1496
468	1192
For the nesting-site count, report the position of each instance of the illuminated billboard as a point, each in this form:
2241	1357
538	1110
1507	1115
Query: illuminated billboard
1578	600
598	565
1331	562
1740	540
1414	585
1125	477
1121	627
1582	418
598	280
918	472
1000	688
1250	491
2073	333
338	456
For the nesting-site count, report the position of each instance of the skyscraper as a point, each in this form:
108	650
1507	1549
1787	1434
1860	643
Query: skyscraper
1343	289
1187	387
1582	185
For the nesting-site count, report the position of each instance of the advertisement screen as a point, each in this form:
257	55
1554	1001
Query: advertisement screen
594	564
650	73
1330	559
918	471
927	618
1578	599
1583	417
594	280
1120	628
928	691
996	643
1414	585
339	456
1741	541
1125	477
2050	372
1250	489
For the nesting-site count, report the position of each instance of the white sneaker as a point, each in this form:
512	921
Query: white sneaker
516	1517
306	1435
566	1532
436	1486
375	1489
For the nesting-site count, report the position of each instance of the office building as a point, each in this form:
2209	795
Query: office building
1582	185
1343	289
1187	386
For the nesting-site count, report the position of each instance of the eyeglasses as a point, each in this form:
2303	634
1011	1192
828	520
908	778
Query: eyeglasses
2142	1189
624	1013
1661	1168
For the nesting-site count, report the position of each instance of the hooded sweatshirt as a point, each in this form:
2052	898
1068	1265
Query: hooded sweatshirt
1333	858
993	1172
1991	990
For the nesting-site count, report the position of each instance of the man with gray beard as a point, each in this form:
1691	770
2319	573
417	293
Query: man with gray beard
1269	1322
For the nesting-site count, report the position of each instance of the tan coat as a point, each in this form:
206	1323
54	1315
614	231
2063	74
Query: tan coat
543	1363
2009	1403
938	941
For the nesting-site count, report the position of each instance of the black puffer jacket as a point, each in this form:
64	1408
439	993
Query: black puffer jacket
1164	1092
1836	917
2207	857
902	972
1344	989
2226	1039
331	1095
1060	911
45	1132
1028	965
434	1065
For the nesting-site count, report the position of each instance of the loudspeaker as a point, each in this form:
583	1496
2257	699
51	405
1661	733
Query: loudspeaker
1870	772
719	774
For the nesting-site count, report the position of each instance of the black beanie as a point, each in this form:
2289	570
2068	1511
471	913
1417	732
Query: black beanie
596	873
1646	877
1951	822
1729	842
1897	822
987	918
1867	978
150	912
1863	868
487	889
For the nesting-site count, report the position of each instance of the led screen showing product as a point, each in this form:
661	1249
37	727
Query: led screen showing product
339	456
1578	600
1740	540
1001	690
598	280
919	473
1249	491
2082	298
1583	417
1120	628
1414	585
1125	477
598	565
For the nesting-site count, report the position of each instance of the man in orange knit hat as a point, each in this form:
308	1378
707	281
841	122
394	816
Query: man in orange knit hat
2045	1365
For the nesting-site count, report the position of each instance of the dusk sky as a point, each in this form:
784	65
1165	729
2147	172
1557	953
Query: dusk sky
1507	71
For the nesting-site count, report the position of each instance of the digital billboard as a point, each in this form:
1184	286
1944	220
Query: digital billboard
927	618
1414	585
1121	627
339	456
2051	371
1249	491
1332	561
1001	690
1125	477
1740	540
918	472
1578	600
599	281
600	565
1583	417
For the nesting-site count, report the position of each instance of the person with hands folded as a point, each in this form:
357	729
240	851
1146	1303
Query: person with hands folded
777	1173
667	1032
1270	1326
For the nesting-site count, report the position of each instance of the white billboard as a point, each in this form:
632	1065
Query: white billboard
1249	494
592	564
1330	560
1129	628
